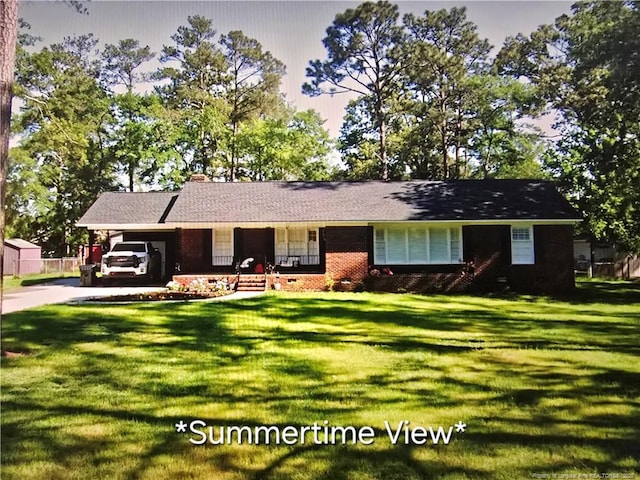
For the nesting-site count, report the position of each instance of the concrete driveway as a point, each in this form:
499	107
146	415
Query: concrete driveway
66	290
62	290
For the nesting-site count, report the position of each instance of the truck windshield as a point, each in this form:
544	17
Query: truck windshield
128	247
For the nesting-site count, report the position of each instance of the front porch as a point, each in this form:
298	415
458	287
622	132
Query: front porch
222	250
290	258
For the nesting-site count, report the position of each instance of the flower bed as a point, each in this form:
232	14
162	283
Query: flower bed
199	288
161	296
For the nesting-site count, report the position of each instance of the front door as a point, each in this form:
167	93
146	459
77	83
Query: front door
258	244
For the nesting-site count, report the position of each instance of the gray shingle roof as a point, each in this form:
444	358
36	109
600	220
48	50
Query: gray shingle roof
369	201
121	208
339	202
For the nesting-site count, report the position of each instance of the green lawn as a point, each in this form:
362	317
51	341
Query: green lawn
545	386
13	283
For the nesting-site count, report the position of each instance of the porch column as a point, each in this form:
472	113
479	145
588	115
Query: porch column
178	266
92	239
237	246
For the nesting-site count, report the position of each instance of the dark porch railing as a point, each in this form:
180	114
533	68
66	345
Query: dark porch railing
222	261
292	261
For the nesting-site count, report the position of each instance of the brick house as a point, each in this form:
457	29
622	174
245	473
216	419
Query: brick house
419	236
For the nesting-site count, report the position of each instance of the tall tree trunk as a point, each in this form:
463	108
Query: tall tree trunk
234	153
457	159
234	121
443	144
458	134
382	133
383	150
443	135
131	168
8	37
132	161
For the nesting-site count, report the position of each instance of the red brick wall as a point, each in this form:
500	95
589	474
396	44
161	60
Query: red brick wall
553	271
347	255
420	282
488	247
299	282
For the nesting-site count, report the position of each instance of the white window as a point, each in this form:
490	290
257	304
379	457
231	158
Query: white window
222	246
455	242
380	250
522	252
439	245
281	243
397	246
417	245
299	243
313	250
297	239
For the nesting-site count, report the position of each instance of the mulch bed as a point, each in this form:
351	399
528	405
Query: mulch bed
160	296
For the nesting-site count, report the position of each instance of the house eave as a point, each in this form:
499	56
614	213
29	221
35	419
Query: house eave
362	223
512	221
313	222
126	226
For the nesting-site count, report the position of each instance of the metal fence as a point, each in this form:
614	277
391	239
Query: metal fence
47	265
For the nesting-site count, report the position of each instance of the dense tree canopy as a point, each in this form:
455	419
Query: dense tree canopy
86	126
428	99
364	58
66	117
587	68
444	53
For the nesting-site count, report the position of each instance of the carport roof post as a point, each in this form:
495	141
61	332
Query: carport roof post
92	237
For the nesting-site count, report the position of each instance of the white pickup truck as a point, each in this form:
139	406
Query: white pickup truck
140	260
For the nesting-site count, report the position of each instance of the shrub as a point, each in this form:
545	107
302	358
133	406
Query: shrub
329	284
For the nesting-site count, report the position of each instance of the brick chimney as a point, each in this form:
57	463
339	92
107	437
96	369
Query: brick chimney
199	177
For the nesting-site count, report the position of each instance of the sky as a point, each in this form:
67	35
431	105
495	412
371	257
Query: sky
291	30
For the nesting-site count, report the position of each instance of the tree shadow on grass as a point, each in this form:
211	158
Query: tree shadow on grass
403	327
240	327
161	440
228	337
613	292
346	462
